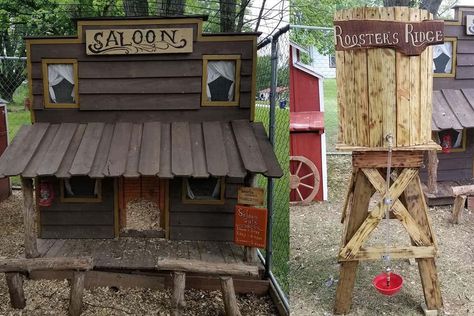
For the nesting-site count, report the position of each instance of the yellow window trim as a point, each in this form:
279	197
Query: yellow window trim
204	100
97	199
220	201
47	103
452	74
455	150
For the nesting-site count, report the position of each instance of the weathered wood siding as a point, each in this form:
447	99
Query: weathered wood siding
455	165
79	220
465	55
141	84
200	221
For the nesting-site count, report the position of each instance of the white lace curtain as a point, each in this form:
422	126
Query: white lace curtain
216	69
447	49
56	74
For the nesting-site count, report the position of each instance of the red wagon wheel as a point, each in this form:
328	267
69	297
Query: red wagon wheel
305	175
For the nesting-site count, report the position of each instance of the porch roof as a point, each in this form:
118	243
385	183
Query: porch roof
453	109
128	149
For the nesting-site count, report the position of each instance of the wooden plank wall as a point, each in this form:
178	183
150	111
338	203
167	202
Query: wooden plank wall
79	220
381	91
464	78
147	83
199	221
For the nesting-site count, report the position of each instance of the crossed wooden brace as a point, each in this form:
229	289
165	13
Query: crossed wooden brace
419	238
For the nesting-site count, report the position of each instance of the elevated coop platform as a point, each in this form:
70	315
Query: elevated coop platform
140	262
444	194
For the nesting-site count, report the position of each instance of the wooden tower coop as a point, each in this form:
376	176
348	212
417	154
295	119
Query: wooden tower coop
384	80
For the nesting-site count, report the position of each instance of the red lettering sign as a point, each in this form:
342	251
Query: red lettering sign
409	38
250	226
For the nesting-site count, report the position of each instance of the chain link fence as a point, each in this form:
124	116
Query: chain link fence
281	192
12	79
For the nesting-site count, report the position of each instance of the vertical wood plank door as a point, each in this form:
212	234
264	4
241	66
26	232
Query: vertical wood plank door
4	183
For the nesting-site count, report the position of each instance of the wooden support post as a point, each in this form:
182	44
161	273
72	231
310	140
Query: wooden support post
250	254
15	288
77	291
31	249
432	171
228	294
178	302
458	207
359	210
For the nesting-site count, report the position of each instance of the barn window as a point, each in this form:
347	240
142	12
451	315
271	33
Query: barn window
221	80
451	140
81	189
203	191
332	61
60	83
444	58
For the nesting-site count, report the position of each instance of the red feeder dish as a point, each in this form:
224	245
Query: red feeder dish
388	288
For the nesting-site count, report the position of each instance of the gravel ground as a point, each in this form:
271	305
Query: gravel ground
315	236
52	297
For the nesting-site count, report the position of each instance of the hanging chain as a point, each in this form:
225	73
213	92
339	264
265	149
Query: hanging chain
388	205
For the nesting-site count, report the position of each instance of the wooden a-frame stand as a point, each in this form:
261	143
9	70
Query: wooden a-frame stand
408	206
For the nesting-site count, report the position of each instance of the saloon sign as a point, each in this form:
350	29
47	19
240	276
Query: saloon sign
409	38
139	41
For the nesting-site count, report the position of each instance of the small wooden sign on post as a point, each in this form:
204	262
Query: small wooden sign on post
250	196
250	226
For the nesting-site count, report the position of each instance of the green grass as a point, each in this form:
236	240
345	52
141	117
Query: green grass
330	113
281	197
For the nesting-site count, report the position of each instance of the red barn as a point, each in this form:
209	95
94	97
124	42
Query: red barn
307	139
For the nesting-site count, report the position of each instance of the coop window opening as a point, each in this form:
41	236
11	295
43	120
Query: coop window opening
457	139
60	83
221	80
81	189
444	58
203	190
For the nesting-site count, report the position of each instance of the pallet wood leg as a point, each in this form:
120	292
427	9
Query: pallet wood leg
363	191
230	300
430	283
250	254
458	208
77	291
433	171
31	249
178	302
15	289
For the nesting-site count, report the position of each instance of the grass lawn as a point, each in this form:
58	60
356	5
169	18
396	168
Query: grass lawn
330	113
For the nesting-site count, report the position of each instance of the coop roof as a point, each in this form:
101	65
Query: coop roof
453	109
132	149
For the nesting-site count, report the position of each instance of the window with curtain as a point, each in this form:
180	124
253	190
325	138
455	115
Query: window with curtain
443	59
203	190
61	83
221	80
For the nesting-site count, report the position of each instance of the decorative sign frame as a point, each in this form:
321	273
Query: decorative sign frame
409	38
250	196
139	41
250	226
470	24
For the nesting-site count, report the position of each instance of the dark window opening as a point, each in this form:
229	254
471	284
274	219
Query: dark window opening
203	189
81	187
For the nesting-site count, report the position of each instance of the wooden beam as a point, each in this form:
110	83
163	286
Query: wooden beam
29	219
433	162
77	291
376	253
463	190
228	294
458	207
213	268
379	159
60	263
15	289
177	302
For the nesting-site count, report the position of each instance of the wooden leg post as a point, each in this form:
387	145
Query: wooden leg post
178	302
31	249
458	208
77	291
228	293
432	171
15	288
250	254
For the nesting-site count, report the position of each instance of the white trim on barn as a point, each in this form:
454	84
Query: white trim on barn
322	63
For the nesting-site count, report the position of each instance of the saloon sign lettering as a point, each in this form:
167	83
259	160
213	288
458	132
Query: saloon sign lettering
139	41
409	38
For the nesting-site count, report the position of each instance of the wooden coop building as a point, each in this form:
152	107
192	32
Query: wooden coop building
146	111
453	111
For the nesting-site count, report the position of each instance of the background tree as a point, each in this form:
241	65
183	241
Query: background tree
170	7
135	7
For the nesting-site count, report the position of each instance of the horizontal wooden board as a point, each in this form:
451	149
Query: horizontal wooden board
204	114
83	217
201	233
465	60
465	47
78	51
140	102
140	85
67	231
465	72
452	83
196	219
